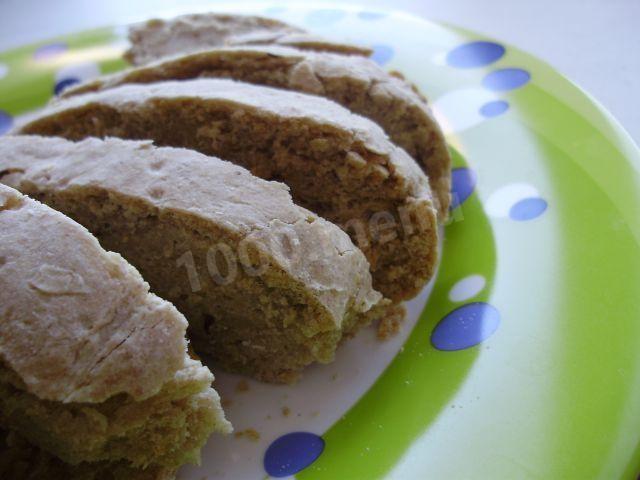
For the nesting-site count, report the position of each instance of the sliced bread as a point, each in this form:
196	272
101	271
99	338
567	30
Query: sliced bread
355	82
21	460
339	165
267	286
160	38
93	367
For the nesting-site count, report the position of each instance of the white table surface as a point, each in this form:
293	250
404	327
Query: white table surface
596	43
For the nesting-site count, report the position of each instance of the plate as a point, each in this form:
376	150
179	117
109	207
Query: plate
522	360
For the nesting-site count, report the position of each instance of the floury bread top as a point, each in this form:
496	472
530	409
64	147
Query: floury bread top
78	323
159	38
340	165
356	82
324	258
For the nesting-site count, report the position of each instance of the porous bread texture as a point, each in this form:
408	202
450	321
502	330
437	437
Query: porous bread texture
267	286
158	38
21	460
338	164
355	82
92	366
166	430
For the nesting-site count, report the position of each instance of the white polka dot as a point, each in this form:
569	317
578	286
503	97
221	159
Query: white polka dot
3	70
121	31
459	110
120	45
440	58
467	288
500	202
80	71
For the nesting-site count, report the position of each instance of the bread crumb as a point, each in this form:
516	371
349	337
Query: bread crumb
242	386
380	172
249	433
286	411
390	324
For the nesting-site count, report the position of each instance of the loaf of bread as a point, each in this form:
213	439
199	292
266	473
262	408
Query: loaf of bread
339	165
267	286
157	38
93	368
355	82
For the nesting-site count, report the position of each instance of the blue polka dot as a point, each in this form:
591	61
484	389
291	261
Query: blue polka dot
292	453
323	17
50	50
365	15
382	54
6	122
63	84
475	54
506	79
466	327
528	209
463	182
493	109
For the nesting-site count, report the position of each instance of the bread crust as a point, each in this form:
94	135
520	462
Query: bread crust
355	82
157	205
340	165
79	323
93	367
158	38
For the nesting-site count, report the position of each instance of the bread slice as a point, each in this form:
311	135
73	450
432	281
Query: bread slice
154	435
20	460
337	164
267	286
92	366
157	38
355	82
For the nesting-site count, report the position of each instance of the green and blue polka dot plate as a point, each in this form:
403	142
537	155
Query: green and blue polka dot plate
522	359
